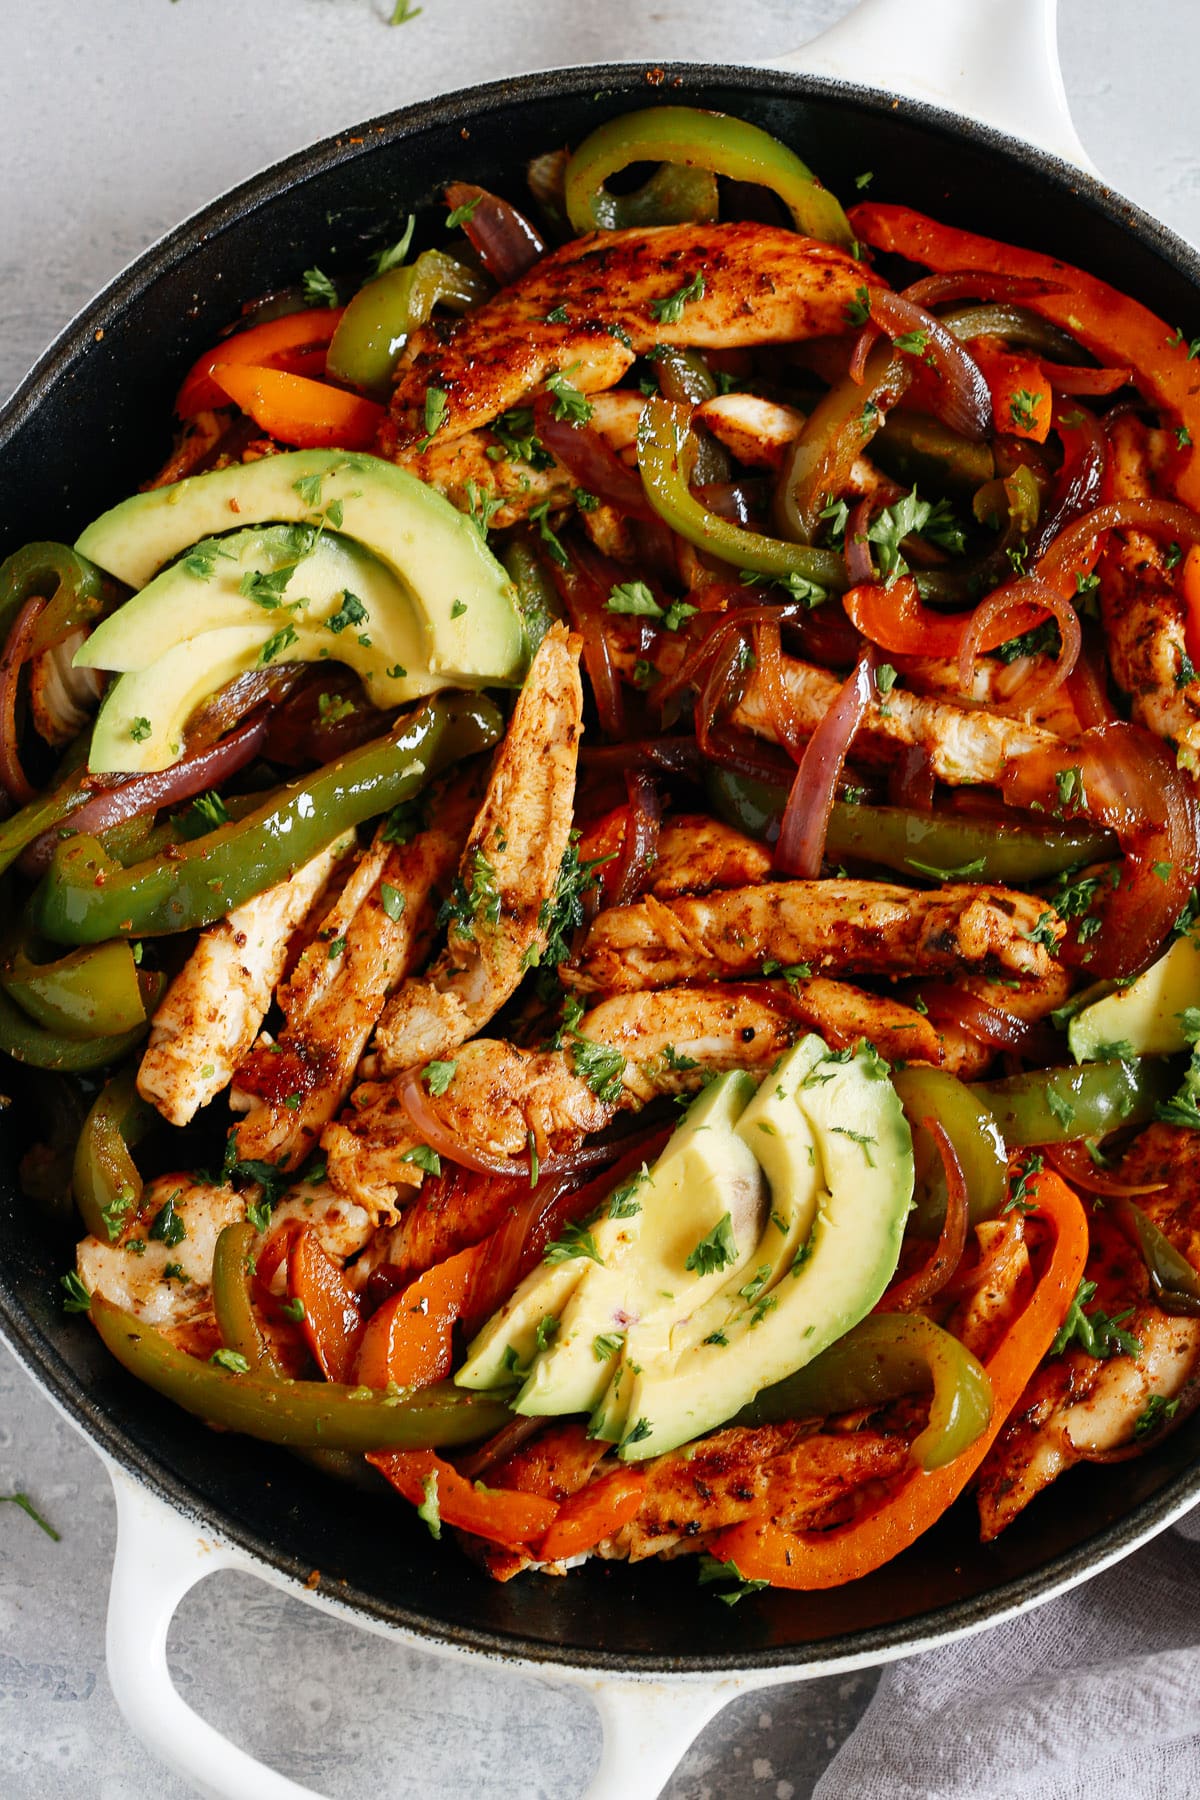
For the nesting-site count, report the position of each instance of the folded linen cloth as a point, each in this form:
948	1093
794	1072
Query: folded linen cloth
1095	1696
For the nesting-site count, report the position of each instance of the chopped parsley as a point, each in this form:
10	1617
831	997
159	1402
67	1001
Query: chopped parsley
139	731
476	899
439	1075
669	311
1096	1334
333	708
1022	409
76	1298
483	505
673	1060
540	516
391	900
1158	1410
1043	932
639	1433
394	254
570	406
964	872
462	215
436	403
231	1360
713	1571
26	1505
167	1227
557	315
622	1204
860	1138
608	1344
1060	1106
336	948
576	1240
319	290
858	310
350	612
562	915
915	342
600	1065
716	1250
277	643
518	440
424	1158
792	973
633	597
294	1310
1069	783
1026	1173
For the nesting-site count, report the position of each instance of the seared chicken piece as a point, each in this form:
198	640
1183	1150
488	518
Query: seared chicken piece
384	920
169	1285
1078	1403
965	1055
697	854
853	927
214	1008
500	911
761	285
761	432
477	469
499	1098
996	685
1142	610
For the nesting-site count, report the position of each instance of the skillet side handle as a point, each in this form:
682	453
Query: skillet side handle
159	1558
994	60
648	1727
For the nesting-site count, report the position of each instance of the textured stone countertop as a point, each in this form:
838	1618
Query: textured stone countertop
118	120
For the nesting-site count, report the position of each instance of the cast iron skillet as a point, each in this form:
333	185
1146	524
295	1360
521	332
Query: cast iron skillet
90	423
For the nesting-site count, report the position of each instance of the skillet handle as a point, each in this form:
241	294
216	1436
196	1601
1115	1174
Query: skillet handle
648	1727
159	1558
994	60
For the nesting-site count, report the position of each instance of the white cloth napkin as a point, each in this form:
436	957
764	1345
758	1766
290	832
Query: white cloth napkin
1092	1697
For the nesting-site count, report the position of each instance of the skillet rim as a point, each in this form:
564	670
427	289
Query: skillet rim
40	1357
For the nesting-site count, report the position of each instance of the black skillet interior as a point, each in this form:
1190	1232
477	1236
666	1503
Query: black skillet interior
93	421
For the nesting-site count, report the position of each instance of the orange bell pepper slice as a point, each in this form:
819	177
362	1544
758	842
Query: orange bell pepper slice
596	1512
407	1341
1022	399
897	619
332	1321
764	1551
1113	327
1189	586
503	1515
309	415
297	343
604	838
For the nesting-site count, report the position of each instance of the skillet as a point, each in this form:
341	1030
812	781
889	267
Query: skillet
83	431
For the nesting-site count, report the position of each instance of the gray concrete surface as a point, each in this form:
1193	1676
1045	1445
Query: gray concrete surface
116	121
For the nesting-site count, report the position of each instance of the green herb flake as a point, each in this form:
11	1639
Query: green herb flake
231	1360
1096	1334
76	1298
622	1203
462	215
607	1345
319	290
438	1076
716	1250
1157	1412
429	1510
139	731
634	598
858	310
737	1586
669	311
424	1158
26	1505
167	1227
576	1240
570	406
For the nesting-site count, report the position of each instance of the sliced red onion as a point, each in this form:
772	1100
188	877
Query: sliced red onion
1164	517
17	648
138	794
583	594
923	1283
856	550
1076	1167
805	823
949	1004
976	284
782	713
982	630
964	401
1082	477
639	851
448	1143
507	243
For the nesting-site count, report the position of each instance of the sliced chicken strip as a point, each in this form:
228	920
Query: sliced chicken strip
853	927
214	1008
500	1097
379	932
508	875
1077	1403
133	1273
696	854
761	432
1031	1001
1142	610
761	285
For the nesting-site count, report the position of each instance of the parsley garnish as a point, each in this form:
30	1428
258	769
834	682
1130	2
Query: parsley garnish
1043	932
436	402
669	311
857	1137
1018	1193
394	254
318	289
462	215
675	1061
570	406
277	643
139	731
540	516
793	973
858	310
392	901
294	1310
167	1226
608	1344
633	597
26	1505
1022	409
717	1249
712	1570
1094	1333
517	437
403	11
639	1432
1069	783
231	1360
439	1075
424	1158
468	901
562	915
350	612
1157	1412
600	1065
576	1240
76	1298
622	1204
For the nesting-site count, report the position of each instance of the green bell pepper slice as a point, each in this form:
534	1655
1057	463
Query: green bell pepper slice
918	451
97	992
835	434
27	1042
884	1357
86	896
104	1178
683	375
384	313
76	592
666	455
1173	1280
236	1320
683	135
537	597
934	847
309	1415
1016	325
972	1130
1087	1100
42	814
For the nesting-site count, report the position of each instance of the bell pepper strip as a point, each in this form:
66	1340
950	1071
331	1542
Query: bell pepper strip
882	1358
896	619
1173	1280
309	415
87	897
919	451
407	1341
76	592
765	1551
595	1513
275	344
937	847
1189	587
311	1415
386	311
332	1320
1113	327
537	597
1015	499
968	1122
1022	397
502	1515
666	455
233	1261
105	1182
1055	1106
685	136
834	436
27	1042
98	992
999	319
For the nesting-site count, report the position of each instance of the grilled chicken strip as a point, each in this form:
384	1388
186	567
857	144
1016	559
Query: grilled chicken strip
133	1273
1078	1403
508	873
761	432
1142	610
384	920
214	1008
761	285
853	927
624	1051
697	854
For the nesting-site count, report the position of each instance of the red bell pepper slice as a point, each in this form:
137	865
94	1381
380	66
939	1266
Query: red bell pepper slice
897	619
764	1551
596	1512
1113	327
1022	399
307	414
332	1321
408	1340
296	343
503	1515
1189	583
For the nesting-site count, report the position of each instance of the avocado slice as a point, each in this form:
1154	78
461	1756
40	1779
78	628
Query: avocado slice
509	1340
784	1316
459	596
1142	1018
